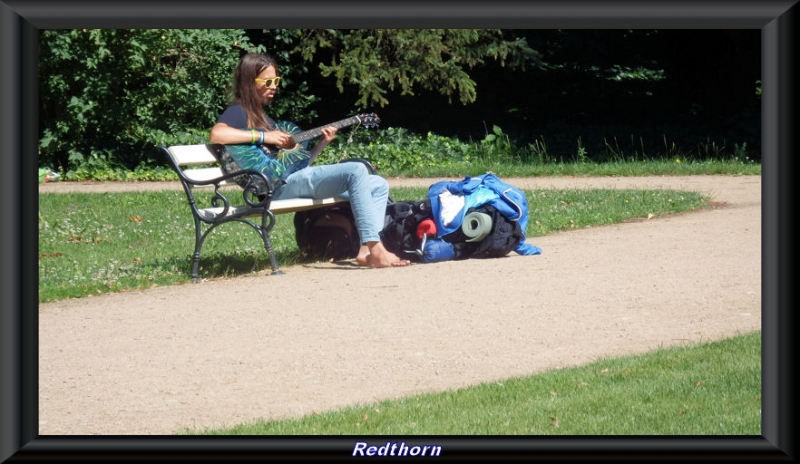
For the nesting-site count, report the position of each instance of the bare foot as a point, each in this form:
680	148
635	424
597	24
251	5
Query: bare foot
378	256
363	255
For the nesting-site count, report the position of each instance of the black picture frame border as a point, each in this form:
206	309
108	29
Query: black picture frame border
19	25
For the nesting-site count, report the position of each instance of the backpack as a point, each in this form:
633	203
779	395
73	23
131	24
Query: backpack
399	234
327	233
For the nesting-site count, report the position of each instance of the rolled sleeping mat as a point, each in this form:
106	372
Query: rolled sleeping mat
476	226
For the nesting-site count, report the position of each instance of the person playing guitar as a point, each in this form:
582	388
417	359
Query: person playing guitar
279	150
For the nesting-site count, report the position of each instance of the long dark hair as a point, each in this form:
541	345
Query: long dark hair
244	85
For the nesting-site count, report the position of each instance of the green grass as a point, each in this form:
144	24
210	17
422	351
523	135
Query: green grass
705	389
91	244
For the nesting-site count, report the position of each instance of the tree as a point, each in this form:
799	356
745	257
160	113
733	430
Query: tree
378	61
105	95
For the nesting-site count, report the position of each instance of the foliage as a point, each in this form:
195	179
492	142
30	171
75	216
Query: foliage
397	149
376	61
104	92
106	95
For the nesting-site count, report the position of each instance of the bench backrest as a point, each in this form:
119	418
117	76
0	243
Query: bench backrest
189	158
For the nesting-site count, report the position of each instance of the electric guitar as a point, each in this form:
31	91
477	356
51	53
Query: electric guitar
300	138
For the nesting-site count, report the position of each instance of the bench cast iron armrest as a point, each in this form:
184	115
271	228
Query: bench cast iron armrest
253	195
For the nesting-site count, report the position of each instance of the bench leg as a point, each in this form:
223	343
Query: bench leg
267	222
199	238
195	266
270	252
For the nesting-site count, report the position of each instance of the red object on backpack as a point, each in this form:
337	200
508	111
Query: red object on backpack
426	227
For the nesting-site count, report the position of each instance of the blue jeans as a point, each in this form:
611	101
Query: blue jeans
368	194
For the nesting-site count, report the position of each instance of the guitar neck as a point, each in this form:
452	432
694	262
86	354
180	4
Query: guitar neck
316	132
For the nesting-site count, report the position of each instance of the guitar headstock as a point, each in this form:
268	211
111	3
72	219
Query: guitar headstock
370	120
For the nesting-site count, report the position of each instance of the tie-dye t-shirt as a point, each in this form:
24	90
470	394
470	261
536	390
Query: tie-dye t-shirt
274	162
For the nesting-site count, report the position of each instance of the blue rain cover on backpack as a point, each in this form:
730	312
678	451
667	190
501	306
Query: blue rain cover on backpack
450	201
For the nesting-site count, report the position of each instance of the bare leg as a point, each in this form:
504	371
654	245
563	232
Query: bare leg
374	254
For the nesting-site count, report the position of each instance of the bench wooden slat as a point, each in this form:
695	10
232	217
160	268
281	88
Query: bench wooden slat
291	205
203	174
187	155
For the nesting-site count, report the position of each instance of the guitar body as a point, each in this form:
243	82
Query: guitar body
288	156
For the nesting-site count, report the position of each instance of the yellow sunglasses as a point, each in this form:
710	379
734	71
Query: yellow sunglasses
270	80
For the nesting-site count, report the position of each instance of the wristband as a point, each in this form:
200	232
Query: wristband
261	142
253	139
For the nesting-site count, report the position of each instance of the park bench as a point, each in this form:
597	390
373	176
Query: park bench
201	166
